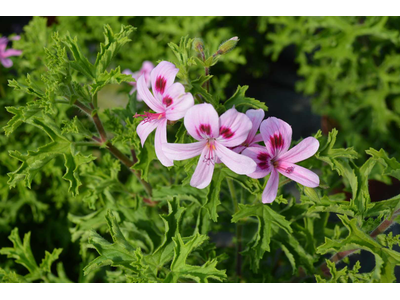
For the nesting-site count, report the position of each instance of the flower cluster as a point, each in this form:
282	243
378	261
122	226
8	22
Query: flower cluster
230	139
5	54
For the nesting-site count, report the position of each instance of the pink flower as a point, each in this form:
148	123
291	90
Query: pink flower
215	135
169	101
4	54
275	158
145	70
256	116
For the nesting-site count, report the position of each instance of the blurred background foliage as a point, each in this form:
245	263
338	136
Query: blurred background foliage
313	72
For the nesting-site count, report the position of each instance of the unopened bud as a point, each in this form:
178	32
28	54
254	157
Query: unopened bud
227	46
198	45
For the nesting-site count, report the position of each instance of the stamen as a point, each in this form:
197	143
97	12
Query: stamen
210	158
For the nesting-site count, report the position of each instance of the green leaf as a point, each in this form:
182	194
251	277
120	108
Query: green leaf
269	221
120	253
49	259
34	161
80	63
184	58
112	45
21	115
180	269
385	259
112	77
181	192
22	253
239	100
212	200
144	158
197	88
391	166
172	221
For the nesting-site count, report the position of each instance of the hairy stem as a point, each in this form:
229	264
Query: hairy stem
206	69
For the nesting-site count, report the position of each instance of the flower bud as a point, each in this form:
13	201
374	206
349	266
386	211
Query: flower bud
227	46
198	45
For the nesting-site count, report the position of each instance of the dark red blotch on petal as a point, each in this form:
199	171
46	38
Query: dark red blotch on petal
277	141
226	132
167	101
264	160
204	128
160	84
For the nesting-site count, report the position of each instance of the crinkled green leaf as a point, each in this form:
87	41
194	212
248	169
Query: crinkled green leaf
112	45
180	269
22	253
385	259
392	166
269	221
239	100
119	253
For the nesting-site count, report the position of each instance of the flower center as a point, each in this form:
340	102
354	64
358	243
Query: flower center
275	163
209	157
149	117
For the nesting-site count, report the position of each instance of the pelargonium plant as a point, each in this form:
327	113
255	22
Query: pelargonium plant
219	193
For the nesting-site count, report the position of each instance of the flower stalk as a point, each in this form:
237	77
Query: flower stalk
110	147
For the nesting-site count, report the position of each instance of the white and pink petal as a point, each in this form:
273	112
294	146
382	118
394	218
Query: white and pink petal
202	122
159	140
271	190
299	174
162	77
277	135
183	151
204	170
305	149
238	163
256	116
148	98
234	128
262	158
145	128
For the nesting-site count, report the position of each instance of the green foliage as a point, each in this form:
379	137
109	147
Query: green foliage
350	67
22	254
268	222
240	100
73	170
385	259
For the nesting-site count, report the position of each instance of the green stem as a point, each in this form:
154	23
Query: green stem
128	163
206	69
232	191
84	108
110	147
238	228
62	101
